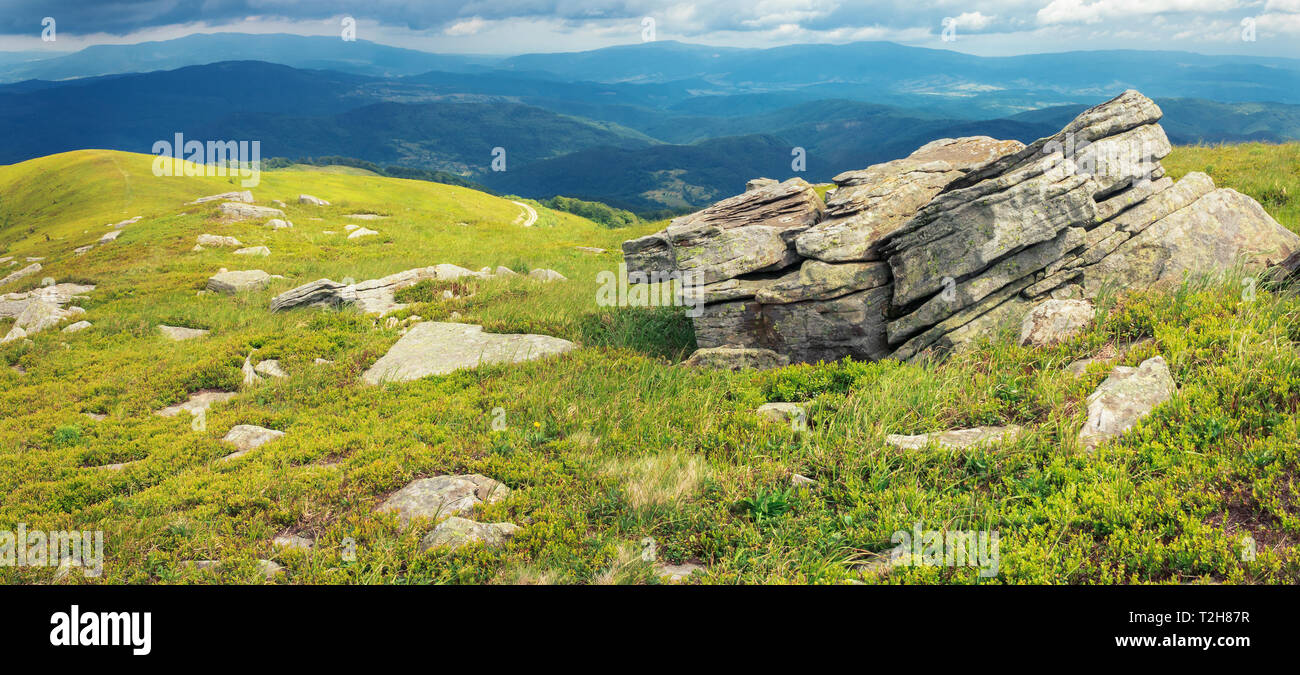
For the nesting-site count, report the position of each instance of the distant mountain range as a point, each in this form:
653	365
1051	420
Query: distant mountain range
647	127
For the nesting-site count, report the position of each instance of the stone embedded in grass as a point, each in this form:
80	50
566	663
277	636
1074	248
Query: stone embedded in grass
242	211
503	271
435	348
736	358
248	437
113	467
362	232
250	374
198	402
246	196
22	273
82	250
442	495
313	201
279	224
798	480
456	532
111	235
546	275
959	439
1125	397
214	240
254	251
270	368
1055	321
590	249
269	568
782	412
676	573
365	216
293	542
238	281
179	333
37	315
76	327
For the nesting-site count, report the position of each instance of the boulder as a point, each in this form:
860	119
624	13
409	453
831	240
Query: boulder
441	496
313	201
1125	397
278	224
77	327
270	368
736	359
243	211
433	348
1055	321
321	292
238	281
362	232
455	532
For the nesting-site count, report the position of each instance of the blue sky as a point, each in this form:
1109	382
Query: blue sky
993	27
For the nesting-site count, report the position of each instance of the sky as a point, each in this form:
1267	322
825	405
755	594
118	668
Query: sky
990	28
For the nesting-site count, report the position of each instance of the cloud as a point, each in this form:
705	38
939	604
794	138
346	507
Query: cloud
472	26
1083	11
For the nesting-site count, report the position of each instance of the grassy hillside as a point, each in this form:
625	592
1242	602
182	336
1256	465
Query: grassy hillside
613	442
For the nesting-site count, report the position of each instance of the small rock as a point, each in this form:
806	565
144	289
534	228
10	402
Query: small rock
1055	321
254	250
47	281
246	196
590	249
294	542
78	326
314	201
546	275
250	374
111	235
955	440
278	224
1125	397
241	211
676	573
98	417
801	481
247	437
270	368
503	271
322	362
269	568
362	232
456	532
178	333
782	412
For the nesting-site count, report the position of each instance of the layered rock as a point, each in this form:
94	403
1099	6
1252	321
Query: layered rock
961	238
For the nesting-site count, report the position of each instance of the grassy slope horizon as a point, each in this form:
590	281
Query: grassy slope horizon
613	442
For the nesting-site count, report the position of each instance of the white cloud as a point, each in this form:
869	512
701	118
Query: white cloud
472	26
1083	11
974	21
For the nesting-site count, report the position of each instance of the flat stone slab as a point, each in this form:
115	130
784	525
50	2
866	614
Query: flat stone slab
215	240
179	333
198	402
247	437
254	251
959	439
736	358
434	348
238	281
1125	397
456	532
243	211
442	495
675	573
293	542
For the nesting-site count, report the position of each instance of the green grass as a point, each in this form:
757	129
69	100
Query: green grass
611	443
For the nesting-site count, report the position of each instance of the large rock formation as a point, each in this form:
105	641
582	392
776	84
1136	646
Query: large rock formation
924	254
